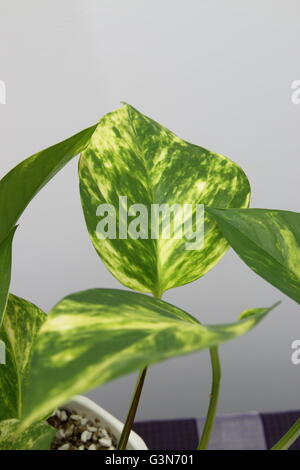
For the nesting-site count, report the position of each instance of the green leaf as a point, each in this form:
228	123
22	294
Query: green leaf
131	155
95	336
18	332
268	241
22	183
36	437
5	270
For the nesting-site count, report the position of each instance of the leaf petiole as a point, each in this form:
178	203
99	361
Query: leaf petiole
214	396
132	410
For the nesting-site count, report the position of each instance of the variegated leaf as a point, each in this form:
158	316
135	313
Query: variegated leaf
5	270
133	156
23	182
95	336
268	241
18	332
36	437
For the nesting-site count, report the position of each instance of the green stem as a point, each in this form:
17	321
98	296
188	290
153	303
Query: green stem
289	438
134	403
214	396
132	410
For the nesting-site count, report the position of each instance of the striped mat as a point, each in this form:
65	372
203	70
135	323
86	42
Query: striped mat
251	431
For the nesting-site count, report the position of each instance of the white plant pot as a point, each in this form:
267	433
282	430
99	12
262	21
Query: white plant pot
92	410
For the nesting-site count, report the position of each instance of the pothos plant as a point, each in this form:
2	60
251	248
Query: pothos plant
94	336
268	241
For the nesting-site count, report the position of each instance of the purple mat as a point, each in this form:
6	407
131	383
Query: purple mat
169	435
183	434
277	424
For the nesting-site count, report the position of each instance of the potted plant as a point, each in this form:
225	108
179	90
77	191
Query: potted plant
128	164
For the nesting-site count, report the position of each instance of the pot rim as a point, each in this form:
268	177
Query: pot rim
135	442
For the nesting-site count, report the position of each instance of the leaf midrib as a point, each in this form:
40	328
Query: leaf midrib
150	189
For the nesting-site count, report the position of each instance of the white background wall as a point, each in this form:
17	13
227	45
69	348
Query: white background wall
219	74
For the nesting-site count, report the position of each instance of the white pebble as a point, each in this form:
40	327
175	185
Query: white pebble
63	415
61	433
92	429
84	421
92	447
85	436
64	447
80	448
105	442
69	431
75	417
103	433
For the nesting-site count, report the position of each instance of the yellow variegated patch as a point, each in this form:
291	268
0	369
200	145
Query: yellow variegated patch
36	437
133	157
95	336
18	332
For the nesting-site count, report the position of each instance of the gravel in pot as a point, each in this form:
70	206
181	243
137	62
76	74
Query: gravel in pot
77	432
